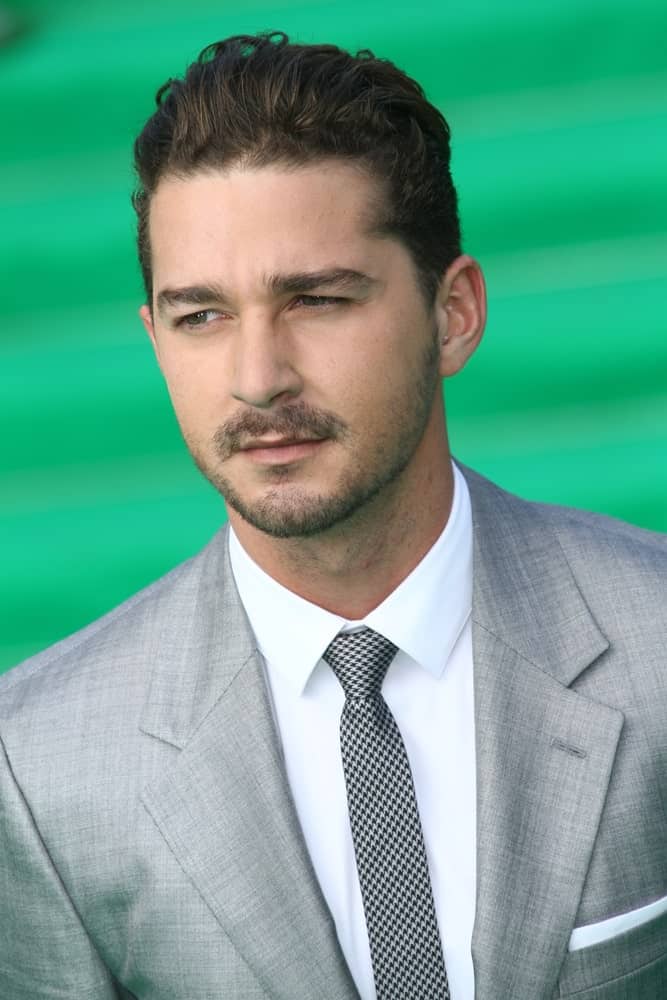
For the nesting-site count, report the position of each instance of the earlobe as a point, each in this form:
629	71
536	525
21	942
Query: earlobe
461	310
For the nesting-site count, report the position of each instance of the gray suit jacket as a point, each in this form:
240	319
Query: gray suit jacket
149	847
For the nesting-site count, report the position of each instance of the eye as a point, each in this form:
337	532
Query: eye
318	301
198	319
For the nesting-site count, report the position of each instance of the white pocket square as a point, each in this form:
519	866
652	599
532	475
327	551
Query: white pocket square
590	934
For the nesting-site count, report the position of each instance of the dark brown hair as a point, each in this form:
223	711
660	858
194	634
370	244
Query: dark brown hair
260	100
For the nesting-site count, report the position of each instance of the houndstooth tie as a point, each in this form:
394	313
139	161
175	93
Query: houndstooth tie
391	860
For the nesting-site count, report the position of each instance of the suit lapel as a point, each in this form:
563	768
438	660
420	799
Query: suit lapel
544	752
223	805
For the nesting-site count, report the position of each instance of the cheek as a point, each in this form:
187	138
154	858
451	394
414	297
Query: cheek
195	390
380	369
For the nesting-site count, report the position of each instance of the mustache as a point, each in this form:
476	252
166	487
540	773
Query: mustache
295	421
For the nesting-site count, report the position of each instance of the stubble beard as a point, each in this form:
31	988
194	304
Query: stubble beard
293	511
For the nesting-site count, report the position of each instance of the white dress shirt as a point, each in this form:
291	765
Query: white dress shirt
429	689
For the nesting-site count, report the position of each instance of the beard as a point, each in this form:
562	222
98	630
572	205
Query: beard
296	512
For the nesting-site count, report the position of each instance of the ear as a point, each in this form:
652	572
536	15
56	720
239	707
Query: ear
460	313
147	319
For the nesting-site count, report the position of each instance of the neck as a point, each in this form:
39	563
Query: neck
351	568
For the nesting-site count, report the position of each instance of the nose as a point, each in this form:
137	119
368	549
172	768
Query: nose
263	369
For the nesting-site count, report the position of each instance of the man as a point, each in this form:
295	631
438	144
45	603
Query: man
180	819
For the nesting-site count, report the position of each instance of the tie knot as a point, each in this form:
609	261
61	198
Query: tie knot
360	661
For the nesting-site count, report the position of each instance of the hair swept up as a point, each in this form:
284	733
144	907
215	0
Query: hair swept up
261	99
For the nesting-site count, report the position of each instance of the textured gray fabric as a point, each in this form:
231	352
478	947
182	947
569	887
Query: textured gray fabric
149	847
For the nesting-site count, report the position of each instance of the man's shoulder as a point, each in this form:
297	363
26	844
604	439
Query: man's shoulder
122	637
598	543
577	531
610	537
619	569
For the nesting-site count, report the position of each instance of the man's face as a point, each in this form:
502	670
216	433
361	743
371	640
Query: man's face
300	355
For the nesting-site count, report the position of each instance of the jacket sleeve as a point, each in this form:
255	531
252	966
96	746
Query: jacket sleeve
45	951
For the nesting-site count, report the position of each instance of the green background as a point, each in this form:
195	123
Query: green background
559	117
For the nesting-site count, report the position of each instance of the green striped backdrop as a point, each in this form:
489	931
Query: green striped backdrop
559	116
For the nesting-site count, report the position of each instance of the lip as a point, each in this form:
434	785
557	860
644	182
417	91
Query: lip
280	451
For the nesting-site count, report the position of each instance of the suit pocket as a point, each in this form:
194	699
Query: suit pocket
629	966
590	934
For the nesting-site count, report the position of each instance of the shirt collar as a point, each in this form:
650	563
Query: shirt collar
423	616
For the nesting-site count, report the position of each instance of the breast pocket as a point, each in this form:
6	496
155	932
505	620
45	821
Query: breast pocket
629	966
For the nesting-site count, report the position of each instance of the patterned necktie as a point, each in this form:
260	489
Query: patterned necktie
391	860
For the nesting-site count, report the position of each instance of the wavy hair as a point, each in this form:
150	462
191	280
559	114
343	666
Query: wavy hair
258	100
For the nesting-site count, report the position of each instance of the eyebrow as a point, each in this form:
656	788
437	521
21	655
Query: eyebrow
334	279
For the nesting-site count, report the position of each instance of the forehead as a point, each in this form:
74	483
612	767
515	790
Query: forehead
277	216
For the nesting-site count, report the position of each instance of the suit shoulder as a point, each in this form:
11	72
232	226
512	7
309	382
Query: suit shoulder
491	500
620	569
582	533
577	530
110	638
